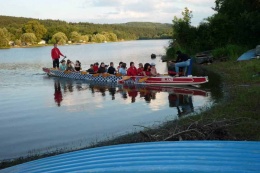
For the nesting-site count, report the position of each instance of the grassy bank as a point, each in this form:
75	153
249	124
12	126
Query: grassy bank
235	117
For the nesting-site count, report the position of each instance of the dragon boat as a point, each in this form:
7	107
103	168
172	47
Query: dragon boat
108	78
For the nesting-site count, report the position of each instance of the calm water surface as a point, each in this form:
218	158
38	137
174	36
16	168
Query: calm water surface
41	114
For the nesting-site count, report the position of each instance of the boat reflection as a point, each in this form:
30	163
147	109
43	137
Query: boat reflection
178	96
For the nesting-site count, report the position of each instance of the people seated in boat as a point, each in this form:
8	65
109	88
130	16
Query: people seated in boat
70	67
140	69
183	60
95	67
91	69
63	65
119	66
106	68
132	71
147	70
122	69
111	69
153	70
77	66
102	68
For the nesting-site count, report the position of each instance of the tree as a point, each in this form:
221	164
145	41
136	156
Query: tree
28	38
240	20
18	42
183	32
85	38
110	36
59	38
75	37
36	28
4	37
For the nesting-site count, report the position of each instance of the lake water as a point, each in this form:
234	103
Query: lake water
41	114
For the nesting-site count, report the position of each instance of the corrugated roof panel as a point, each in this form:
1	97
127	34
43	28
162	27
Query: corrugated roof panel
182	156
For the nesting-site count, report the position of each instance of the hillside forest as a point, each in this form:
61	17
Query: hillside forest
28	31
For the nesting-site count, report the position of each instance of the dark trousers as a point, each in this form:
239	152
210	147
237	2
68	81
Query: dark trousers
56	63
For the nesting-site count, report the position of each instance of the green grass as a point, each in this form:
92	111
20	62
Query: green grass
242	101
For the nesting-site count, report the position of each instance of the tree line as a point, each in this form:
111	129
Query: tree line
24	31
235	26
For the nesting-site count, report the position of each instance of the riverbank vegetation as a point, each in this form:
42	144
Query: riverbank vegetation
28	31
234	23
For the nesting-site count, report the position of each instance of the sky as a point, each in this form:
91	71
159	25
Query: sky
108	11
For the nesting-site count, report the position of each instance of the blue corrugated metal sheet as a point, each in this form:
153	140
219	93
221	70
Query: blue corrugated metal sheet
183	156
247	55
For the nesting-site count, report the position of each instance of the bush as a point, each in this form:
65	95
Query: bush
230	52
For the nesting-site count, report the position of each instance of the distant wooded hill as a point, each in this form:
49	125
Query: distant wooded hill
17	26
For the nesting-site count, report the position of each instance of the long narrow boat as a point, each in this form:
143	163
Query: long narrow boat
160	80
164	80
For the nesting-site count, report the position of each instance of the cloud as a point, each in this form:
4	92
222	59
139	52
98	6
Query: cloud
148	10
109	11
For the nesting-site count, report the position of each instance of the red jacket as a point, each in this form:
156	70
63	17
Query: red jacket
55	53
140	71
132	71
95	68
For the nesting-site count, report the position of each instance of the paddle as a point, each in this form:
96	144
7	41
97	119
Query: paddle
84	72
143	79
126	78
105	74
96	75
63	58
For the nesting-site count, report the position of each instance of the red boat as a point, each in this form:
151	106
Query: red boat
164	80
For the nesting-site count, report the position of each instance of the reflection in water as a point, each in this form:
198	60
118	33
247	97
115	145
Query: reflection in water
179	97
57	93
112	92
182	102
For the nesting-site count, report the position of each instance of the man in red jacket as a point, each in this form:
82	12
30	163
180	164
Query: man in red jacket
132	71
55	54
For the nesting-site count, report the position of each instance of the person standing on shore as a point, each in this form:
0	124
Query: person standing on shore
55	54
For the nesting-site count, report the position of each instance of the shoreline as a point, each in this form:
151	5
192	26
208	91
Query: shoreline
75	44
